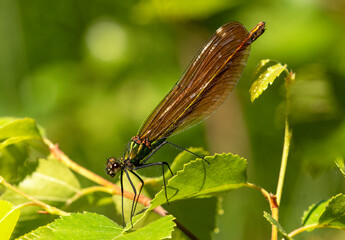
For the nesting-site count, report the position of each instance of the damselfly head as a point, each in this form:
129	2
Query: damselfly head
113	166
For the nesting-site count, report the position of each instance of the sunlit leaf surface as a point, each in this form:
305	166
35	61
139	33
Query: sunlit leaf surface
18	130
266	78
93	226
330	213
312	215
52	182
339	161
198	179
334	214
8	218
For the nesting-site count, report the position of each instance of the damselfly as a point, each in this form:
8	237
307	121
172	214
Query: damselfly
204	86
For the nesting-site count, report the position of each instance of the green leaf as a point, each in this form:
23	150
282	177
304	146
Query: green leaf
198	179
94	226
8	218
339	161
140	220
182	210
181	159
12	159
277	224
5	120
312	215
20	145
77	226
52	182
18	130
159	229
334	214
330	213
265	78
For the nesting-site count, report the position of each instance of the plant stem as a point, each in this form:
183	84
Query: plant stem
272	200
275	215
287	140
48	208
289	79
302	229
266	194
311	227
269	196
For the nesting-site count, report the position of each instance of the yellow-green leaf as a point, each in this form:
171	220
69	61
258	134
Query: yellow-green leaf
198	179
339	161
266	78
8	218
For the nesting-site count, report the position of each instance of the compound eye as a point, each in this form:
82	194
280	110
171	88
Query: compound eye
113	166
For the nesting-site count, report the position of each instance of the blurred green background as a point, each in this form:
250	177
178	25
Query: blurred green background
91	72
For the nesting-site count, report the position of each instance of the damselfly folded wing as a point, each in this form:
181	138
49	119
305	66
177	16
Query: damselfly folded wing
205	85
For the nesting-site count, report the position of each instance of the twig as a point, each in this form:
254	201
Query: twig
266	194
34	201
269	196
310	227
302	229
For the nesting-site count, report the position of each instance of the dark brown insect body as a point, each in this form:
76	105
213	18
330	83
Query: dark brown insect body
204	86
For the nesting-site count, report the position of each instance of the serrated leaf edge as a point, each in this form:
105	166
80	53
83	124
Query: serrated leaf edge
191	162
327	206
